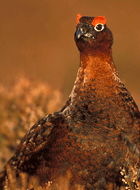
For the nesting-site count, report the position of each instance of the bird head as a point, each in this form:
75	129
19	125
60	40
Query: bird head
92	34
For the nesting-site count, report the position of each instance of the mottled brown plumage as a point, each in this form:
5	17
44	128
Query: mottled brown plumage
97	132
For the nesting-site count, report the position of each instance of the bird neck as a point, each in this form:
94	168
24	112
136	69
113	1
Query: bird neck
97	64
97	68
97	74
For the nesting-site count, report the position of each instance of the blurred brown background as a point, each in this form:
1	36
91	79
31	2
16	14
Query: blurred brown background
36	40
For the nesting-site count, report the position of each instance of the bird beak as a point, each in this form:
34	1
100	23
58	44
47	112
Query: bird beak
79	33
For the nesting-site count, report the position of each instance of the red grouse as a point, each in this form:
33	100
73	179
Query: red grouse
97	132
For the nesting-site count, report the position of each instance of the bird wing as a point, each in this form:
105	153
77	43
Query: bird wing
28	153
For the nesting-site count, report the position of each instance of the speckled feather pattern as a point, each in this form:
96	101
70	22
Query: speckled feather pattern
98	129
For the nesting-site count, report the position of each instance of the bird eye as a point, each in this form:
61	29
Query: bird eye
99	27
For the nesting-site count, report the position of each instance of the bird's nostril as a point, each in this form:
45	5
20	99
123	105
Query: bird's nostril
88	35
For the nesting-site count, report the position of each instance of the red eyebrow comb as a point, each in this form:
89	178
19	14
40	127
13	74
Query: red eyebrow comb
78	18
98	19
